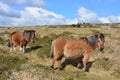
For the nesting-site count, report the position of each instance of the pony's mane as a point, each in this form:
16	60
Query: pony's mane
92	40
27	34
102	37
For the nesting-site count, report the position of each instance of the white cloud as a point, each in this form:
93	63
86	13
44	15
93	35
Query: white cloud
104	20
71	21
28	16
38	16
33	3
87	16
36	3
113	19
5	10
34	14
110	19
6	21
14	2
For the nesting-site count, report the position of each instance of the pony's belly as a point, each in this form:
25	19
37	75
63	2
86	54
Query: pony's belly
16	44
74	54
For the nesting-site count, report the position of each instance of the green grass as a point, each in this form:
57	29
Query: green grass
104	64
8	63
35	63
1	41
44	43
116	73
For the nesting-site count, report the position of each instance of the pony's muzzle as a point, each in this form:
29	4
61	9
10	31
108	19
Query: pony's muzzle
101	49
33	41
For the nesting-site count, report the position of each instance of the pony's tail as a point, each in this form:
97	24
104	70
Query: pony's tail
8	43
52	51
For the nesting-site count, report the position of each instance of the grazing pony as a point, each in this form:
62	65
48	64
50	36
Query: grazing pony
75	49
21	39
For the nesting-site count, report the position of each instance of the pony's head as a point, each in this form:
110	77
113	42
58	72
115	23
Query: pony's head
100	41
96	41
32	37
29	35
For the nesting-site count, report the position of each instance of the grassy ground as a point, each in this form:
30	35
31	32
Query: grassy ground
34	64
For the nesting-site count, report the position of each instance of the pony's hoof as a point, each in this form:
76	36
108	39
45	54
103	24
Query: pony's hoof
79	66
61	68
85	70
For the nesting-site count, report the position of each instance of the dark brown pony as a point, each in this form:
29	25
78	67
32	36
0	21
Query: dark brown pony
75	48
21	39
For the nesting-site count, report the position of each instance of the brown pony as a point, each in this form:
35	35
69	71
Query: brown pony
75	48
21	39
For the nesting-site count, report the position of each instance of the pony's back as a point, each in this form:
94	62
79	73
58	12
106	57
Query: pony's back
15	38
13	33
57	46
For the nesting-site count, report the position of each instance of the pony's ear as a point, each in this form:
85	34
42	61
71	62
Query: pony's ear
34	31
86	39
102	35
96	36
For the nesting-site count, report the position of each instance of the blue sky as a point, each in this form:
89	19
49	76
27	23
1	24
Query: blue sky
69	7
53	12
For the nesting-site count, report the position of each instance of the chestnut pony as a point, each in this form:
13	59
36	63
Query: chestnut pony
21	39
80	49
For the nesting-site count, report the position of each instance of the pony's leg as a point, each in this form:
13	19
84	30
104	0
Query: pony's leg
14	47
23	46
24	49
54	59
59	64
80	63
11	49
59	58
52	63
85	60
21	49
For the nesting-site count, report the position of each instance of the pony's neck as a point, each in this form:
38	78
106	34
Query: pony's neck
26	36
92	41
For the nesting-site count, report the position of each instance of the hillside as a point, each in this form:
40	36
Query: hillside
34	64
